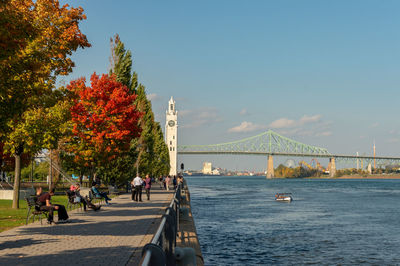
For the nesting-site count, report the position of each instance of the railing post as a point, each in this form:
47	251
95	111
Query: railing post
154	255
164	240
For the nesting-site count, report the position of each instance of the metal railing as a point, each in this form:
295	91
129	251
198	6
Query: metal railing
160	251
56	167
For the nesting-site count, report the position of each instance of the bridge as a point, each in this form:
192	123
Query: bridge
273	144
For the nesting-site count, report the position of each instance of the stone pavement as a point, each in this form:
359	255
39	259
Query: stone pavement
114	235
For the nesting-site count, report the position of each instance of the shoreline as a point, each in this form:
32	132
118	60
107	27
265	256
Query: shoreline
318	177
368	177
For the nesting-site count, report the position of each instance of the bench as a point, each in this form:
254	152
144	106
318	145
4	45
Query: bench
34	210
71	201
113	190
95	197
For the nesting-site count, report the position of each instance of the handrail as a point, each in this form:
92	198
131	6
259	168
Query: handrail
64	175
160	251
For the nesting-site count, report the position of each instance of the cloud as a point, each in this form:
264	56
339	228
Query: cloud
153	97
199	117
289	123
185	113
393	140
283	123
323	134
375	124
309	119
244	112
307	125
247	127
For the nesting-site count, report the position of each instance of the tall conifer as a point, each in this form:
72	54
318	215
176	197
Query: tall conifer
149	150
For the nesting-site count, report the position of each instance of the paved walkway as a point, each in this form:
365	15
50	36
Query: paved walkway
114	235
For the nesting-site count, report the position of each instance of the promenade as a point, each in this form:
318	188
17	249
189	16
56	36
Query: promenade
114	235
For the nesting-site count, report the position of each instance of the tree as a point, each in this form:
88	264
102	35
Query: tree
121	64
37	50
161	161
38	39
104	120
149	151
146	139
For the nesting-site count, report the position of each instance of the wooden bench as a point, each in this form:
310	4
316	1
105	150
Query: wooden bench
34	210
95	198
71	201
113	190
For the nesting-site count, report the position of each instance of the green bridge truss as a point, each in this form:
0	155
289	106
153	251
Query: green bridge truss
266	143
271	143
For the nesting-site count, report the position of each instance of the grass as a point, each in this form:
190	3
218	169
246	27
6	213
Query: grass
10	218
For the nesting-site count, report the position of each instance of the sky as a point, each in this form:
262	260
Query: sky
325	73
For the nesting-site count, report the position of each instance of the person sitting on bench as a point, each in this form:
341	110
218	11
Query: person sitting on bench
99	194
39	192
75	191
45	203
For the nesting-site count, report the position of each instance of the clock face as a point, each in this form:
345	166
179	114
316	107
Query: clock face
171	123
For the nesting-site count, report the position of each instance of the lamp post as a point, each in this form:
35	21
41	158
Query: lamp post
182	167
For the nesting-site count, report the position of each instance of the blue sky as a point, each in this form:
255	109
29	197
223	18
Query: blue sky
325	73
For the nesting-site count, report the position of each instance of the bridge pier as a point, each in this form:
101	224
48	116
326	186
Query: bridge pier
270	167
332	169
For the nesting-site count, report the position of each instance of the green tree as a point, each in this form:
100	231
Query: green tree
149	151
28	70
161	163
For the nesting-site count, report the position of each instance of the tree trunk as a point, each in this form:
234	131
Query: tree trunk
17	178
50	171
54	156
91	177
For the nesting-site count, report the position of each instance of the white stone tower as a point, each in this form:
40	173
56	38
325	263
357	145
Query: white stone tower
171	136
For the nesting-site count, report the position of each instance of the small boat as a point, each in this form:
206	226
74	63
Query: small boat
284	197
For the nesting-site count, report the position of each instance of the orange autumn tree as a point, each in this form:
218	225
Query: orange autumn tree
37	39
104	120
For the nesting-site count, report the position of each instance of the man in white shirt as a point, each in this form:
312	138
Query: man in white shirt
137	188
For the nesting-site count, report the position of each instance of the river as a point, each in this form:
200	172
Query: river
329	222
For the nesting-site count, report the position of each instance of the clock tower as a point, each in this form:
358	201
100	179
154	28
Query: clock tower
171	136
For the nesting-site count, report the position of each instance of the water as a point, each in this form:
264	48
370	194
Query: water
330	222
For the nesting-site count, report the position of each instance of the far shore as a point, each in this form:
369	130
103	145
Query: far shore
369	177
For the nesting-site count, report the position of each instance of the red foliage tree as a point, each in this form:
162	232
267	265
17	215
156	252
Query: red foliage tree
7	161
104	120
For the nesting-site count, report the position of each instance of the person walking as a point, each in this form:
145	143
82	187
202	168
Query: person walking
167	180
174	182
147	187
137	188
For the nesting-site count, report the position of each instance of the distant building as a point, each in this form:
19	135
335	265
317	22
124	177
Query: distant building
207	168
215	172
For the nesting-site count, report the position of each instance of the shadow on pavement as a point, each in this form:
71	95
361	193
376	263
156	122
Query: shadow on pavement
23	243
139	212
133	204
122	228
87	256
